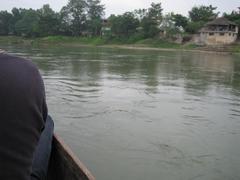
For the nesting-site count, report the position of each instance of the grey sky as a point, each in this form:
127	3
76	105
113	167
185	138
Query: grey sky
120	6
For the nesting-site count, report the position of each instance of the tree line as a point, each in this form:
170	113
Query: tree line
85	18
77	17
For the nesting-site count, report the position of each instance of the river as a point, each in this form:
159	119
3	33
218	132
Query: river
144	115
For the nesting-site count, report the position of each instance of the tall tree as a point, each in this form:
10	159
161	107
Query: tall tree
151	22
74	15
94	16
168	25
199	15
180	20
203	13
65	22
124	25
5	18
16	16
155	12
28	25
140	13
235	17
48	22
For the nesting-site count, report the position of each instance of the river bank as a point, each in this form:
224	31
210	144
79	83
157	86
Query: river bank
146	44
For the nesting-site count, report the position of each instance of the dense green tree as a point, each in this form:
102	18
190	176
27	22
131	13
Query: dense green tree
28	25
48	21
155	12
194	27
199	15
140	13
65	22
124	25
168	25
81	17
233	16
180	20
149	27
203	13
75	15
151	22
94	16
16	16
5	18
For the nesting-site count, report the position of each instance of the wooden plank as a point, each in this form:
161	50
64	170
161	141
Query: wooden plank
65	165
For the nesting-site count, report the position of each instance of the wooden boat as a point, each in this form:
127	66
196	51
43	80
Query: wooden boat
65	165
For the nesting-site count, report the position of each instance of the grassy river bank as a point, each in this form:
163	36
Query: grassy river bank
145	44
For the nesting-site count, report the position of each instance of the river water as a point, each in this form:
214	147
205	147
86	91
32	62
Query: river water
144	115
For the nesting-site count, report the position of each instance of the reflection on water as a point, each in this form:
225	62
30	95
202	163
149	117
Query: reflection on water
145	114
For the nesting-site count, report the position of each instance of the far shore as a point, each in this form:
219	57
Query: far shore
91	42
166	49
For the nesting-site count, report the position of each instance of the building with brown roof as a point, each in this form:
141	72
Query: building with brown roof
218	32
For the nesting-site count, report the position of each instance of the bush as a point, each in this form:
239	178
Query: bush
194	27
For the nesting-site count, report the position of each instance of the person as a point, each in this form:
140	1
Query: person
26	130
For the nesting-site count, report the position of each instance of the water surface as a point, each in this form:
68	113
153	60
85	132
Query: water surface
144	115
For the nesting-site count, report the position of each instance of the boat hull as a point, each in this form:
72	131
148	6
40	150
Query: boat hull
65	165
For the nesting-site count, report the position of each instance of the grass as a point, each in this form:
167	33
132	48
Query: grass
68	39
137	41
53	40
158	43
98	41
191	46
10	39
236	48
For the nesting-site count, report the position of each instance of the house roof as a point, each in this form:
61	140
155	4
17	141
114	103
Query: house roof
221	21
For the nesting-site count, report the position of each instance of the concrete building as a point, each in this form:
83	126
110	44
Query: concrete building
220	31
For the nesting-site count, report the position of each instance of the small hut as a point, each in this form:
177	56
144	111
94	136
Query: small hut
220	31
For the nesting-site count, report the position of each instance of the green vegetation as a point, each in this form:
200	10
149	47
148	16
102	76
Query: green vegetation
235	17
158	43
81	21
85	18
69	41
236	48
198	16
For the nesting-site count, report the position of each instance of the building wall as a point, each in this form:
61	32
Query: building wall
237	29
217	38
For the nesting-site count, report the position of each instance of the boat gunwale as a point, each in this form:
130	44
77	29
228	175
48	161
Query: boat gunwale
73	157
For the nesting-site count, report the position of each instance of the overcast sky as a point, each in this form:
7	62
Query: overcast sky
120	6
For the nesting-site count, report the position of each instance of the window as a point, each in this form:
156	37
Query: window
211	34
222	34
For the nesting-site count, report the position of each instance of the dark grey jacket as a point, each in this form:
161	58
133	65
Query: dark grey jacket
23	112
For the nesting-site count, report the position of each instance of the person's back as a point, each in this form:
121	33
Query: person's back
23	112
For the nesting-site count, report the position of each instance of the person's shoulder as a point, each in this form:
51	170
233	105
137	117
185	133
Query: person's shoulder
18	61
